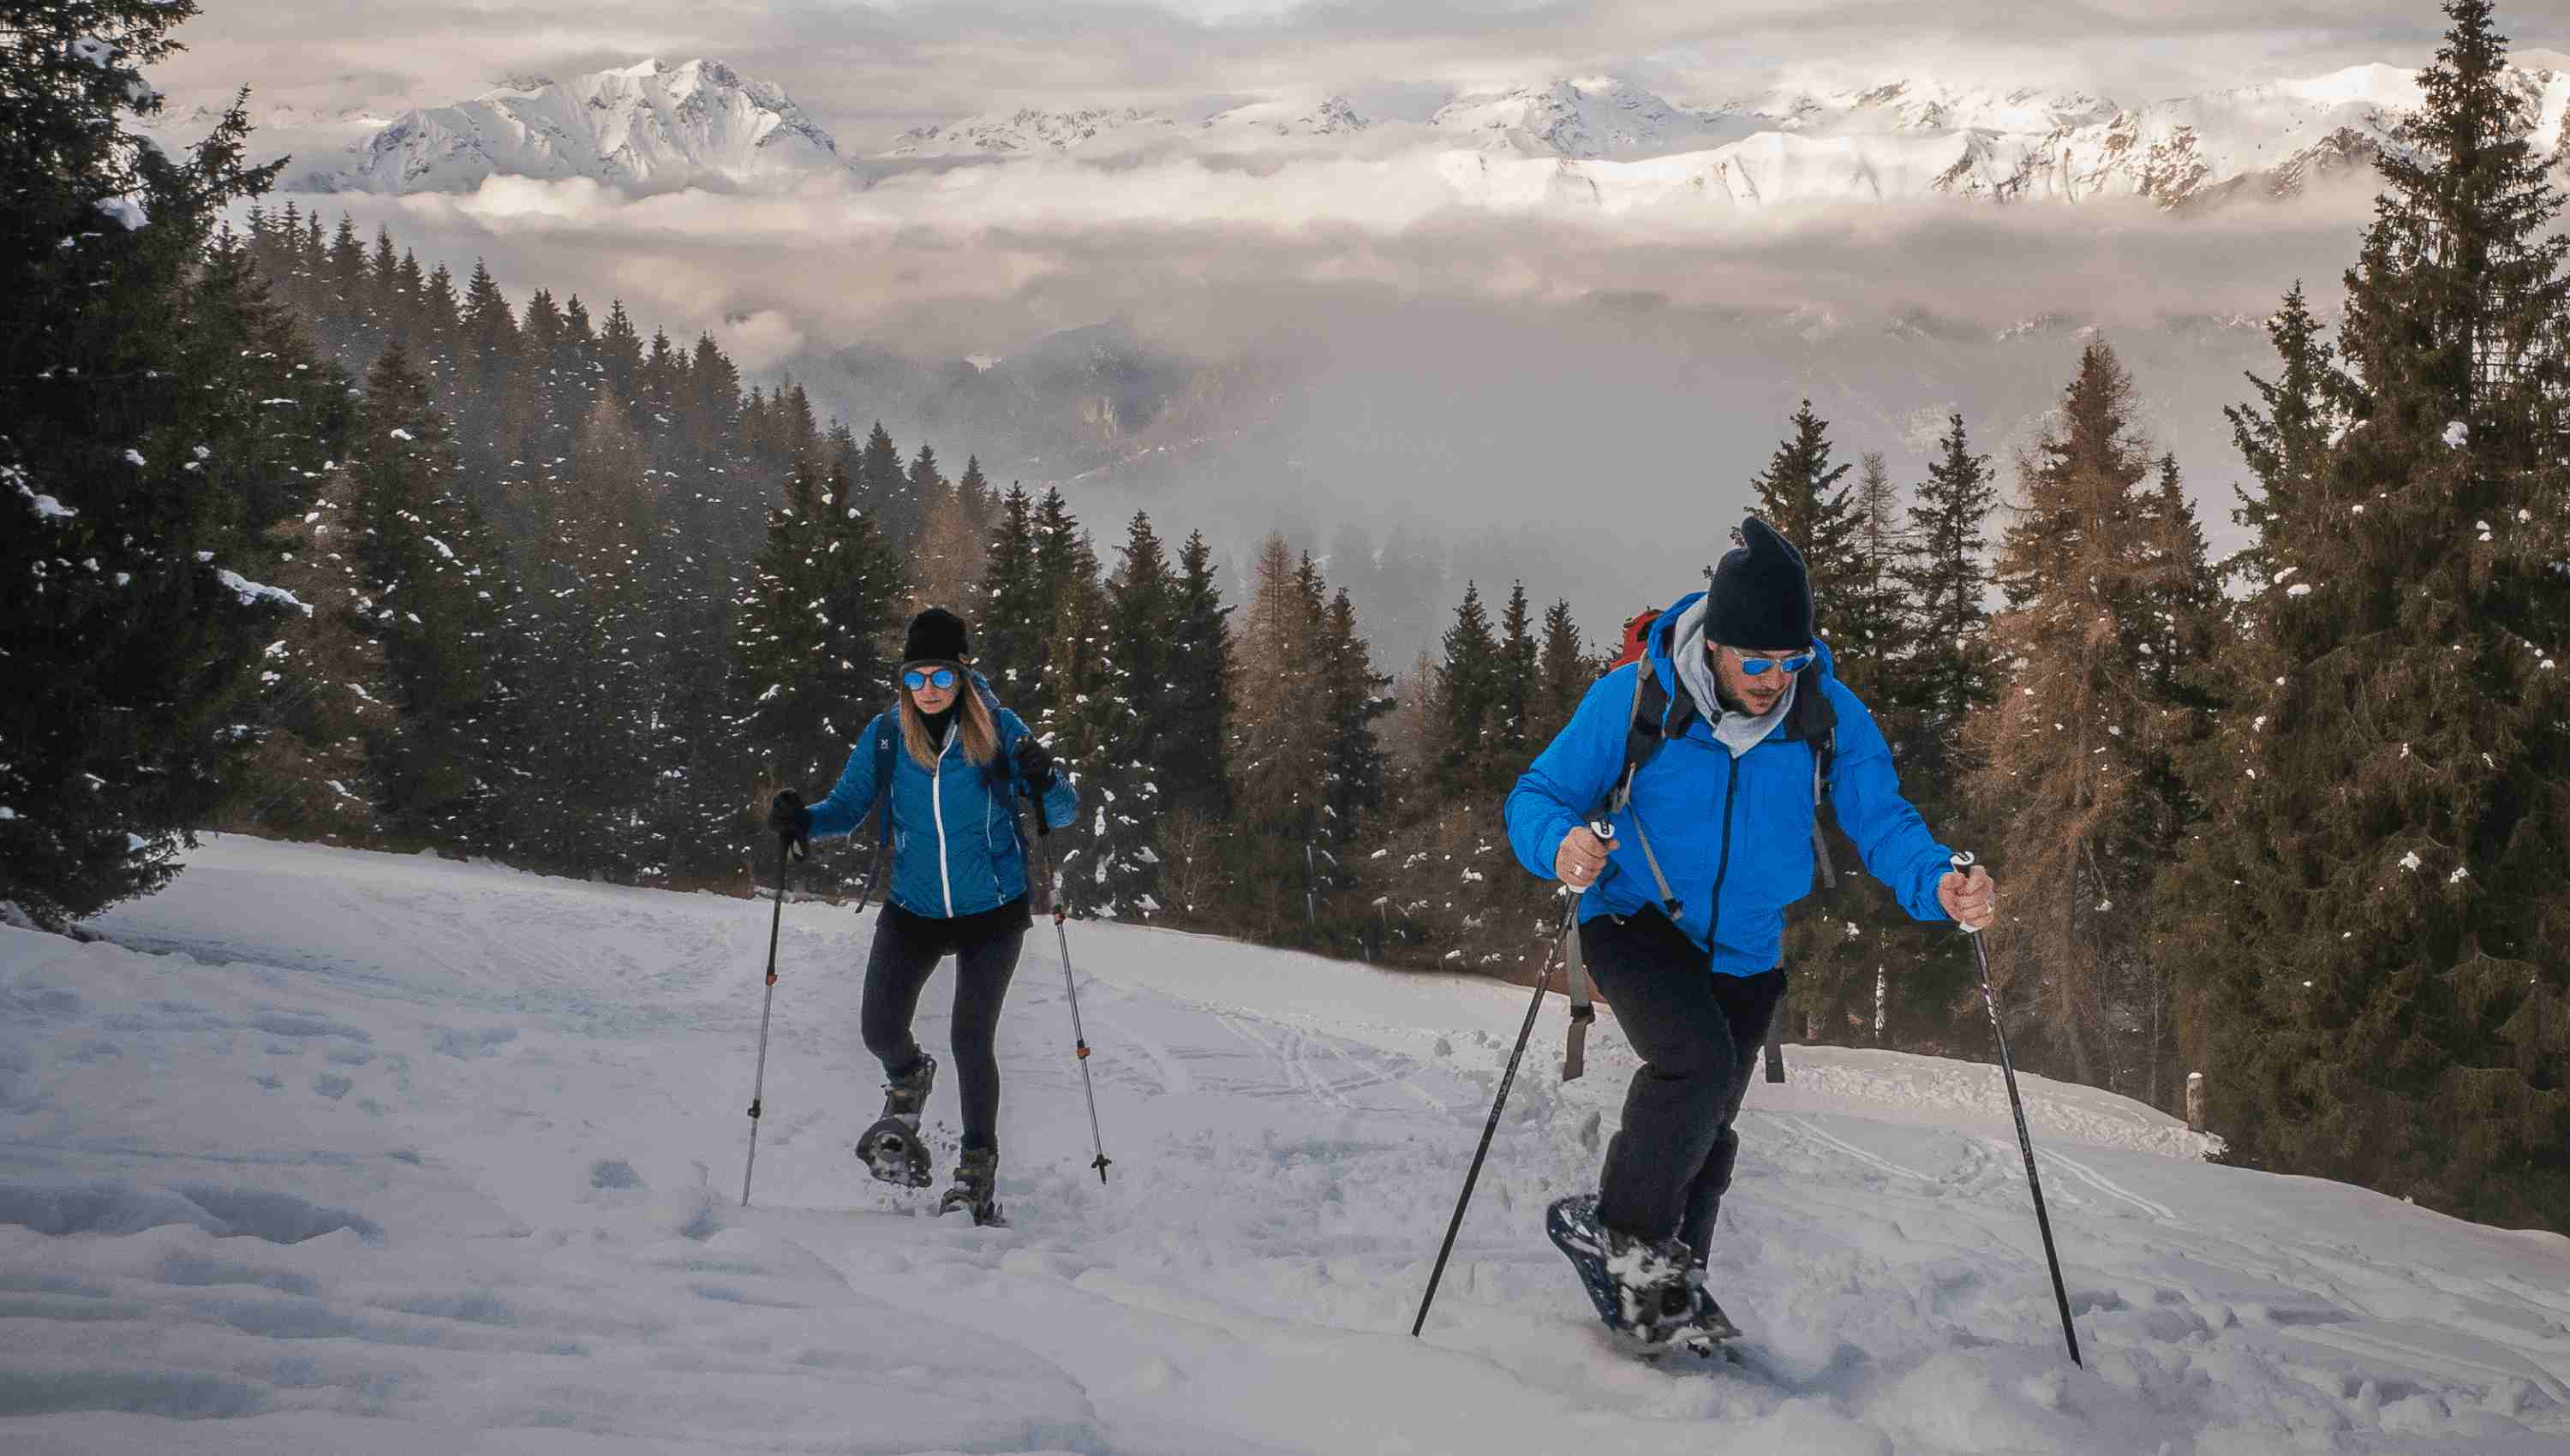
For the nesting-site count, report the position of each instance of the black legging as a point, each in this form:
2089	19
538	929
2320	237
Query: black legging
1698	1031
906	951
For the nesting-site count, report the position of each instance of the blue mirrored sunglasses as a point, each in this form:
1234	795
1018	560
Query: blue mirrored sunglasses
1760	666
939	678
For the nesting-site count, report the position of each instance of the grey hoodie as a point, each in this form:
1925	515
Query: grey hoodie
1738	732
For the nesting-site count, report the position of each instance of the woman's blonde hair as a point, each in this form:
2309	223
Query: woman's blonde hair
979	735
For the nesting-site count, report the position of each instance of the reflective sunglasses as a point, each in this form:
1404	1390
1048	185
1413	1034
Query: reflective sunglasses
1761	667
939	678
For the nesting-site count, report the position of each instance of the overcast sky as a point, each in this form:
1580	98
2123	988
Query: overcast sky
868	69
1476	340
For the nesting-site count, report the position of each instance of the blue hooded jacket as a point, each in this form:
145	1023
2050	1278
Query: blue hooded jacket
1733	837
954	844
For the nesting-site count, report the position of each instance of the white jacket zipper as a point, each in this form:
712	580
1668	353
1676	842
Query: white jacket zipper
937	810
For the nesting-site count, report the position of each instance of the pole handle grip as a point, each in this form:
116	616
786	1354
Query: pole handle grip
1605	832
1962	862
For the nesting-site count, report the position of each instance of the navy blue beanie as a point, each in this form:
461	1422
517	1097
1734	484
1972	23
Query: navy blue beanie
1761	594
934	635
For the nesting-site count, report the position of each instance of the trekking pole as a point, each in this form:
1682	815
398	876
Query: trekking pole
2024	1143
758	1089
1079	1038
1473	1175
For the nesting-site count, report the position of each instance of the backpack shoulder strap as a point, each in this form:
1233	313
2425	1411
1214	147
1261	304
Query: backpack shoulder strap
886	746
1650	722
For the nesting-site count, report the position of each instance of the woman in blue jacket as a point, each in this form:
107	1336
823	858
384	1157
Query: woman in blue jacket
958	885
1682	916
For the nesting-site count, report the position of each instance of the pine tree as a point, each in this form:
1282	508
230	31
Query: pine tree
486	346
1141	607
811	667
2284	436
322	692
1016	614
1469	692
1842	950
1563	671
424	597
122	401
1199	712
1943	574
1800	495
1354	699
620	359
2372	919
709	410
590	696
1517	681
883	489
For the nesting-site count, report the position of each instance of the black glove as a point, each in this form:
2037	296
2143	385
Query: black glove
787	816
1034	764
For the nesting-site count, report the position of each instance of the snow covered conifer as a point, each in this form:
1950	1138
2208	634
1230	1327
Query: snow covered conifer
810	662
1141	601
2374	920
133	375
423	594
1012	614
1196	766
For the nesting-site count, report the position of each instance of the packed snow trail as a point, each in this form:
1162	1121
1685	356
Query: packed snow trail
326	1151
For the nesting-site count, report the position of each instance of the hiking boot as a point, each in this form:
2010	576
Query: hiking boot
975	1173
1656	1283
906	1097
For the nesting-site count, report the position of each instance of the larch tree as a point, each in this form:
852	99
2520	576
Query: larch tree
2061	763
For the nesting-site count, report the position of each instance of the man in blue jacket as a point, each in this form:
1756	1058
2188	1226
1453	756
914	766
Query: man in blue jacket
1682	919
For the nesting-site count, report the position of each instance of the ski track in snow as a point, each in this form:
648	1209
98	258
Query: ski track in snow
326	1152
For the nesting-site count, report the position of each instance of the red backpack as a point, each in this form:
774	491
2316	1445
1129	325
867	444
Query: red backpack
1637	637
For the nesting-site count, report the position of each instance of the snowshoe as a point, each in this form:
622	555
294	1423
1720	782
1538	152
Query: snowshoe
892	1149
1648	1294
974	1175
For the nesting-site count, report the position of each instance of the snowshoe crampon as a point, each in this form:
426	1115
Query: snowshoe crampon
1650	1310
892	1150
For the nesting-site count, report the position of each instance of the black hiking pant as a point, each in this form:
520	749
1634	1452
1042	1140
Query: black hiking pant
906	951
1699	1033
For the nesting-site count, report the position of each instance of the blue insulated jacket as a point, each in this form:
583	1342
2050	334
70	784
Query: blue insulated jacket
955	845
1733	837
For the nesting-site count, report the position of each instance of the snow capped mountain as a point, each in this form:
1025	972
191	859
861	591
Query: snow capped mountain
1031	132
1598	145
1329	117
1114	130
1594	116
652	126
1911	142
1912	105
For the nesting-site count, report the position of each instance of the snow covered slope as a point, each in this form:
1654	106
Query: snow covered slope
652	126
329	1151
